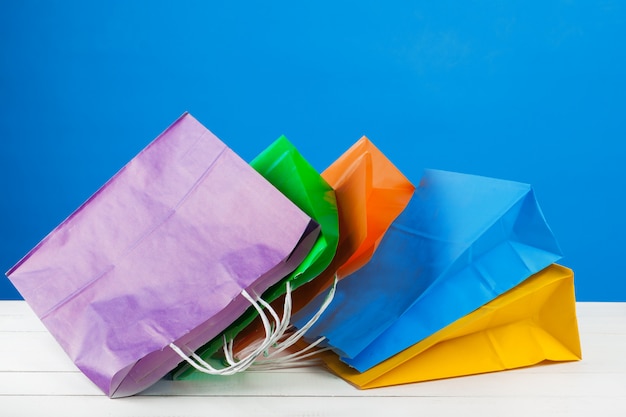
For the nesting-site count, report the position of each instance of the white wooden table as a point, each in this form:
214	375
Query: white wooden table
37	379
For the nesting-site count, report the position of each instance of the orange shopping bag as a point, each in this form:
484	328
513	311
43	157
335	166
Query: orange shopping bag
371	192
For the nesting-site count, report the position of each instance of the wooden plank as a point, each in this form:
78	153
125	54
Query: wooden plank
156	406
38	351
602	309
36	378
32	351
16	316
308	383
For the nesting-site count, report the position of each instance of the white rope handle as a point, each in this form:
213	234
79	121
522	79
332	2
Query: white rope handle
234	367
272	358
265	353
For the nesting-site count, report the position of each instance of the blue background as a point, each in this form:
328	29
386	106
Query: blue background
526	91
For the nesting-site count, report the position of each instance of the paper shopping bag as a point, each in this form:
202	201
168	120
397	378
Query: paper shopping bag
371	192
161	257
462	241
532	323
285	168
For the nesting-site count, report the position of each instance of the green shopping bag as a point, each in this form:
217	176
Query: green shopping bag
285	168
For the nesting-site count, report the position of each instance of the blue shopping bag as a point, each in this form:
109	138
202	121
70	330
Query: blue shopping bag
462	241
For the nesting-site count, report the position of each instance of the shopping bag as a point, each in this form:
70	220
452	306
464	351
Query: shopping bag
371	192
285	168
534	322
167	254
462	241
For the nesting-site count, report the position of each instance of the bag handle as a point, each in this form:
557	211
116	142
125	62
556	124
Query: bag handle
265	354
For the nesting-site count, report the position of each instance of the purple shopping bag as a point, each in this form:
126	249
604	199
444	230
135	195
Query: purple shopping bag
161	254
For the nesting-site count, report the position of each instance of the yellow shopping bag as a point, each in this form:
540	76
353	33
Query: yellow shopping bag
532	323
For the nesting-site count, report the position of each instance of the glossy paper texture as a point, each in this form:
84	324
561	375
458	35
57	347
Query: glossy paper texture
371	192
285	168
462	241
530	324
161	254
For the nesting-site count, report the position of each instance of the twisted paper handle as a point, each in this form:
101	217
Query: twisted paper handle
265	354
